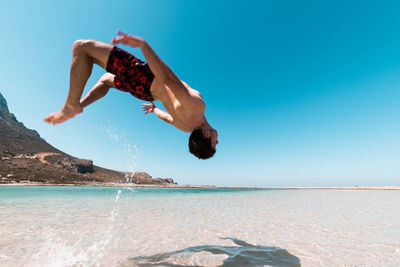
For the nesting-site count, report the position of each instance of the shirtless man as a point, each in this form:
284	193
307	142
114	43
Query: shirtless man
149	81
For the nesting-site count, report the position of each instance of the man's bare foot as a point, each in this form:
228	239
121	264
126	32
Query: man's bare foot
65	113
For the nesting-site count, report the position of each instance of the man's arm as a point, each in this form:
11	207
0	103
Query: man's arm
163	115
161	70
148	108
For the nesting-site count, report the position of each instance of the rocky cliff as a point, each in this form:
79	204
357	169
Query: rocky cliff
26	157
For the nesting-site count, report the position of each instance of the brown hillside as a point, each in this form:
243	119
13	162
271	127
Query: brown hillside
25	156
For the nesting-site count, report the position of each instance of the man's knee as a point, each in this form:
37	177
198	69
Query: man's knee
107	79
80	46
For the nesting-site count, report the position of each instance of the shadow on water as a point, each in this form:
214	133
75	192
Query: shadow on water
243	254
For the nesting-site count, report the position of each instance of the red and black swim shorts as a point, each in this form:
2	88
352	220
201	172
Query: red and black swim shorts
131	74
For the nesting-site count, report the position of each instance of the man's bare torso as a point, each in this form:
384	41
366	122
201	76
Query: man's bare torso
186	109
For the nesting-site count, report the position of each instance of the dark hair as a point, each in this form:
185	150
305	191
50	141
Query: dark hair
200	146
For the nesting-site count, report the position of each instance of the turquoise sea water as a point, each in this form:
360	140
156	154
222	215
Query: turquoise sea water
108	226
8	192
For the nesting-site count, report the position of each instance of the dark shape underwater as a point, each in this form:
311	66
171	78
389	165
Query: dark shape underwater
242	255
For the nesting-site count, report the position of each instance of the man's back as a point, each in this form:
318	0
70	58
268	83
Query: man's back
186	109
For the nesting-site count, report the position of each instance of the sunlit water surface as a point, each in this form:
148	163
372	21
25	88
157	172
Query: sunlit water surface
104	226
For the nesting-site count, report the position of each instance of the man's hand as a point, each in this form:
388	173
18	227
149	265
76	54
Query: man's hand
127	39
148	108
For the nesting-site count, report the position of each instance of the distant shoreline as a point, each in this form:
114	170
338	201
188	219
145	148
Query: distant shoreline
213	187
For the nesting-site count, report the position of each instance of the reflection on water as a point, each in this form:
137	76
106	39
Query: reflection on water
244	254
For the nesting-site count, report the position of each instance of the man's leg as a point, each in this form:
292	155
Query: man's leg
84	54
99	90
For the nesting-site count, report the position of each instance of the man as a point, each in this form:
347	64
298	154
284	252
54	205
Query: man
149	81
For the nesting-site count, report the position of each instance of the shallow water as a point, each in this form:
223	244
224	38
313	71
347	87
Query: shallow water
102	226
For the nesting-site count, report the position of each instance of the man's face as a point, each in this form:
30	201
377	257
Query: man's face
213	134
214	138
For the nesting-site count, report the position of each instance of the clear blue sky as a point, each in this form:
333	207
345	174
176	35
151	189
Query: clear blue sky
301	92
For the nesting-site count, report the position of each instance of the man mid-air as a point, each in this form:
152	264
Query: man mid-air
149	81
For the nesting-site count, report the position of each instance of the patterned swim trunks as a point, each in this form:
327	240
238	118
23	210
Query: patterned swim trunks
131	74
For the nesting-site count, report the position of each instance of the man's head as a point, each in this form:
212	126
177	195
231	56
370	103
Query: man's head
202	142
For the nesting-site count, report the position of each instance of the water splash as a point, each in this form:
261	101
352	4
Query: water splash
118	194
56	250
130	152
100	246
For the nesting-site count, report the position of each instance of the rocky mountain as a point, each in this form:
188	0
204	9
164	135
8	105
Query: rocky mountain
26	157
